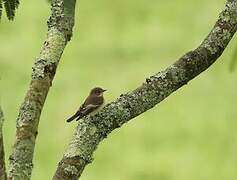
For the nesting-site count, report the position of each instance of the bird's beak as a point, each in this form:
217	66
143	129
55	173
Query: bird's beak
104	90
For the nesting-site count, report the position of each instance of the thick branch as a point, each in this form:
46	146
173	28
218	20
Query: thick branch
3	175
93	129
60	26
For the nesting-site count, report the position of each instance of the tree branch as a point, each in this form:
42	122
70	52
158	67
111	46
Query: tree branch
60	26
3	175
93	129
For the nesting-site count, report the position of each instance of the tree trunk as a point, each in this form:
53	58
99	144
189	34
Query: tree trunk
60	26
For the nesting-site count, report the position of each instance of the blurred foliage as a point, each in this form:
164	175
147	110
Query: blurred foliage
116	44
233	61
10	8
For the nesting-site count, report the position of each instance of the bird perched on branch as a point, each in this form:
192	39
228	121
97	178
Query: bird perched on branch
92	103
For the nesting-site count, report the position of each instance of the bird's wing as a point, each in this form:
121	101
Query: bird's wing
83	111
93	100
86	109
90	104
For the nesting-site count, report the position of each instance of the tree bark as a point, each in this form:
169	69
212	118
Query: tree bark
93	129
60	26
3	175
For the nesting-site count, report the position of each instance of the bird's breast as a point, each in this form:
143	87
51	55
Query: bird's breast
98	109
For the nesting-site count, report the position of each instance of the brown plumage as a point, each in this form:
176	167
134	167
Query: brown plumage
92	102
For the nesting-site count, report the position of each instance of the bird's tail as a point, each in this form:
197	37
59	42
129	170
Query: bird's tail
73	117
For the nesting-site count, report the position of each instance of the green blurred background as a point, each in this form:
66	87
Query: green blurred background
116	44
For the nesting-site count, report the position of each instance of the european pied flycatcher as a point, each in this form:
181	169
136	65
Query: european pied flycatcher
93	102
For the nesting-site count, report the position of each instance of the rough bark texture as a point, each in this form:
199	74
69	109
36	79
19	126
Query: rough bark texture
60	26
2	157
93	129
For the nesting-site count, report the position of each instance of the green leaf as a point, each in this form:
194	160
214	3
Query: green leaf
10	8
0	9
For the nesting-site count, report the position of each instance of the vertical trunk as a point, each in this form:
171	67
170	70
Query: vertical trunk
60	26
2	158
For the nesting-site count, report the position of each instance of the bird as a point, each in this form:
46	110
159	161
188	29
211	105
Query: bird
92	103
